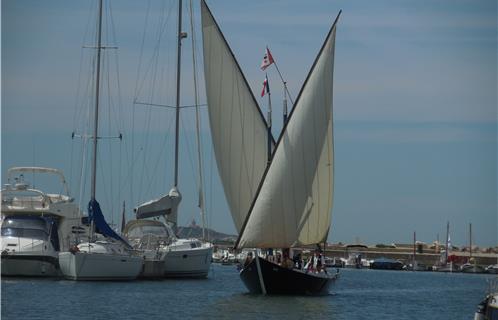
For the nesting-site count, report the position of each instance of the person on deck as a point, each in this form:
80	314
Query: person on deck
286	260
298	262
248	259
319	260
269	255
309	266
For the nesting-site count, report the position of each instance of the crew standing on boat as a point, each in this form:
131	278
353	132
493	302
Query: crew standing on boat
248	259
286	260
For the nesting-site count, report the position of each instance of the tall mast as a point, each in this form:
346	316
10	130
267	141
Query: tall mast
96	116
414	249
447	242
285	102
198	125
178	66
267	88
470	241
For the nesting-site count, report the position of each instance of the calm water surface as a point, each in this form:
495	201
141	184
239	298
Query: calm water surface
358	294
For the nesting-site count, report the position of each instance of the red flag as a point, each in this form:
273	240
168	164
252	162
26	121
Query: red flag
266	87
267	59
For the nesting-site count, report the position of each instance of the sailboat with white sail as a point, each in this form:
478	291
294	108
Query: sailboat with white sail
279	196
106	256
185	258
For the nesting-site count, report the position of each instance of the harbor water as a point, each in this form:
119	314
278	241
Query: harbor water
358	294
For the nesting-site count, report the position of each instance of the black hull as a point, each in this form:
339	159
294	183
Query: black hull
279	280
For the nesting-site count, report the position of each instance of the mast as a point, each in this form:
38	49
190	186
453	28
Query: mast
96	115
197	122
414	249
470	241
286	91
285	102
123	218
447	242
267	88
96	118
178	69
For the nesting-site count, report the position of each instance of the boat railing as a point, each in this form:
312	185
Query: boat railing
27	199
40	170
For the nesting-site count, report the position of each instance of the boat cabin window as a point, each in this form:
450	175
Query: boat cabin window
33	228
195	244
156	230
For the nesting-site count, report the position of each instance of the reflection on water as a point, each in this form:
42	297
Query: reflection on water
358	294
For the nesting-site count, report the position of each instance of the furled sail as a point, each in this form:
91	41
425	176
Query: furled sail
293	204
101	226
238	128
166	206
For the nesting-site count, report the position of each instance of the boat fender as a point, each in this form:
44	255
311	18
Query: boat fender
74	249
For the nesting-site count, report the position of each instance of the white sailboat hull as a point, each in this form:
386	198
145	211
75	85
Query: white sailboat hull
99	266
188	263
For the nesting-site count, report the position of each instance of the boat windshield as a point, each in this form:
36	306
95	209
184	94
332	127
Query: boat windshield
34	228
156	230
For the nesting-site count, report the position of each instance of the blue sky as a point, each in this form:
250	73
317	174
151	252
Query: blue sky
415	105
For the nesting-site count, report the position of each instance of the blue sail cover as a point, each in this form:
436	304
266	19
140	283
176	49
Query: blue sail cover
101	226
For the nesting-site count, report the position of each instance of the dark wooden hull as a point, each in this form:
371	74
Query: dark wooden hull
279	280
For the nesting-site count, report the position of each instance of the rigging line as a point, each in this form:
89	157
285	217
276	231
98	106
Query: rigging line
78	92
130	173
190	154
189	151
145	141
197	117
107	199
135	94
155	61
159	159
109	130
143	152
77	97
115	54
119	170
162	26
211	170
139	67
168	106
82	180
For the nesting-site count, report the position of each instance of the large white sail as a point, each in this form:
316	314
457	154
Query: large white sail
293	205
238	128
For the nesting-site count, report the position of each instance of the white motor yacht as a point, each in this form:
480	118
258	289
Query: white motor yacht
36	225
29	247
